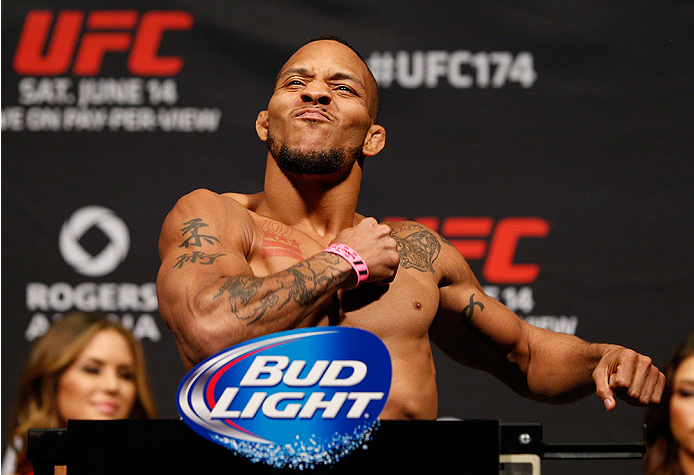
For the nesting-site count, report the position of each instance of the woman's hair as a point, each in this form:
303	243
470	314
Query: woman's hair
661	455
50	356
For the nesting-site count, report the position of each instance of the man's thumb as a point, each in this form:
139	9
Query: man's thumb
604	392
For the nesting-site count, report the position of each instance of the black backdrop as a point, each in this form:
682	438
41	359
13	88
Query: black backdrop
552	143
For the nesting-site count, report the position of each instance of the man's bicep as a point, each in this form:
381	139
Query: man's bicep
471	326
485	335
204	250
206	229
471	318
204	241
189	273
203	244
203	222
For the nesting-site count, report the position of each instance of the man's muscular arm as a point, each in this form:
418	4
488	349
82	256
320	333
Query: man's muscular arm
478	331
208	294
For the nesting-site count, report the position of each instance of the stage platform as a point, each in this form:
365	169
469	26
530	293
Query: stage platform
482	447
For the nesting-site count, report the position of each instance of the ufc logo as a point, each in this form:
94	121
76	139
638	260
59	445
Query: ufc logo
106	31
476	238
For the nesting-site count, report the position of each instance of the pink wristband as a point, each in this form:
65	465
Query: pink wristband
354	259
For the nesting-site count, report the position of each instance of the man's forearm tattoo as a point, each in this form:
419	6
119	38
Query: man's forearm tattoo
250	298
418	250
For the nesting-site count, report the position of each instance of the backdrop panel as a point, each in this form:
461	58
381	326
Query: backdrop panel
550	143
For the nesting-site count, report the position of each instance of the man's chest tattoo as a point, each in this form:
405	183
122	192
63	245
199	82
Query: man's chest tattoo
278	241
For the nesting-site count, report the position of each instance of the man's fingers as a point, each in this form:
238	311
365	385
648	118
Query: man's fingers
618	377
602	387
628	376
376	246
649	386
652	389
633	380
659	388
622	371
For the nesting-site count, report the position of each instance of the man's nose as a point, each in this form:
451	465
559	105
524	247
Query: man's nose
316	93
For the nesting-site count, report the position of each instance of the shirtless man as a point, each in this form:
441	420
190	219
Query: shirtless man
239	266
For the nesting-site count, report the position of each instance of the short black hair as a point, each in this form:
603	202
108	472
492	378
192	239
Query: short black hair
339	40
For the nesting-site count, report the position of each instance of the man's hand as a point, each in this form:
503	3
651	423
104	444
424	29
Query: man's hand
376	246
629	376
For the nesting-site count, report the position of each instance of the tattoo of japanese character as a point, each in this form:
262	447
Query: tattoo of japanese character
192	228
199	257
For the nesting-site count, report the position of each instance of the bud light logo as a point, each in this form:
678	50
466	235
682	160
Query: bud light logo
292	399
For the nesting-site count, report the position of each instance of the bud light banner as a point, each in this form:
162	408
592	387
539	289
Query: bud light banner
292	399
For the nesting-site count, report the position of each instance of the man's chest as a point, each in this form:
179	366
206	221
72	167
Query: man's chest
401	309
276	247
405	306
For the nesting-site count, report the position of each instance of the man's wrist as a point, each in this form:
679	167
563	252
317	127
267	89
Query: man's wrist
353	258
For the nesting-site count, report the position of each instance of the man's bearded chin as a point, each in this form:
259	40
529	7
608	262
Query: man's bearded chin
314	162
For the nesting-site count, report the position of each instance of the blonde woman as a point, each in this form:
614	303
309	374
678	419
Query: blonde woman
84	367
670	425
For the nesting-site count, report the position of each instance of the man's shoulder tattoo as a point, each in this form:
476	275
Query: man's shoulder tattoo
418	247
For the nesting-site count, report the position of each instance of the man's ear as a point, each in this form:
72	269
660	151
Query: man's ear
375	140
261	125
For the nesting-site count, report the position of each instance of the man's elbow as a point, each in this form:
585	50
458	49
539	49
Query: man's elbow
198	344
197	337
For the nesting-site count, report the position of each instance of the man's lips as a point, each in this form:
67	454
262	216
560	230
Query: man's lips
312	113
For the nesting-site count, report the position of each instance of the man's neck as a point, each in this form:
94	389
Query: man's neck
321	206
